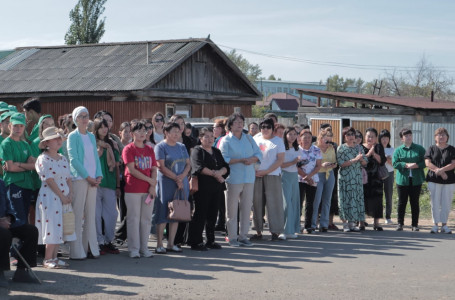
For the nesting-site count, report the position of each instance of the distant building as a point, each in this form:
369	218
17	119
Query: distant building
421	115
269	87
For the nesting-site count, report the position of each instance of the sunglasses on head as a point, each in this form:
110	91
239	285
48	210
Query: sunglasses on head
266	127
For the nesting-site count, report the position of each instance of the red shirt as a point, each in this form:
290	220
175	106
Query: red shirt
144	160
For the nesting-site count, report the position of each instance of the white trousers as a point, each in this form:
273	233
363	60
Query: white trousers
138	221
84	206
441	201
238	195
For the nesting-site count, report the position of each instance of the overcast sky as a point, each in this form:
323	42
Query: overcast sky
384	33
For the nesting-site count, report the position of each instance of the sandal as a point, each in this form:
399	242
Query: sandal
54	264
61	263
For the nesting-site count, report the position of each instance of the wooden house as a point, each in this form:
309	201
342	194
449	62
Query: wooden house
190	77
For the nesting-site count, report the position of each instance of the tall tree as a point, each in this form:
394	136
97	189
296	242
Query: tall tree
251	71
86	28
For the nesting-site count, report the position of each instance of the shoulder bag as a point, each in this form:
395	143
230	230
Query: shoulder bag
179	209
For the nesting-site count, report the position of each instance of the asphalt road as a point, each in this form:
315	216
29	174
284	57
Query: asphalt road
333	265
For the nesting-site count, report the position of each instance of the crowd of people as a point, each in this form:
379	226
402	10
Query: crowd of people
278	173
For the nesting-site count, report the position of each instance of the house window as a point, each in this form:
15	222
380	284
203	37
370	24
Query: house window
183	110
170	110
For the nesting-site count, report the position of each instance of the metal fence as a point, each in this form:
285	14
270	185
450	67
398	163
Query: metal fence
423	133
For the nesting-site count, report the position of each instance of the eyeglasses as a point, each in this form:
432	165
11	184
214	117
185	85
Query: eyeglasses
350	134
266	127
82	117
358	136
148	128
159	120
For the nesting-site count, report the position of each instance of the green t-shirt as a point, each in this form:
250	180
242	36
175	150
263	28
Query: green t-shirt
17	152
109	178
34	134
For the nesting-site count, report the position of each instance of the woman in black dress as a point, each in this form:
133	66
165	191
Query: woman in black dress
209	166
373	190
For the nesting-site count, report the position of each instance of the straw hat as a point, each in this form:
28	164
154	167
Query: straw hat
50	134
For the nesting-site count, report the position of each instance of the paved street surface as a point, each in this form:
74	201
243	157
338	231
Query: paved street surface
333	265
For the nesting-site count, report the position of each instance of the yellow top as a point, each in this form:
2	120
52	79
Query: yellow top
328	156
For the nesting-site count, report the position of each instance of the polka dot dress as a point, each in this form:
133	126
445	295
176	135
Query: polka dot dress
48	205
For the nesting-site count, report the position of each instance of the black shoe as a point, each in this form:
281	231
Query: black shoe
23	275
323	229
309	230
274	237
362	228
199	247
378	228
213	245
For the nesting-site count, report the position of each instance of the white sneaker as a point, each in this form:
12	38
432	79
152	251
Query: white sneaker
388	221
291	236
234	244
147	253
134	254
445	229
346	228
282	237
245	243
434	229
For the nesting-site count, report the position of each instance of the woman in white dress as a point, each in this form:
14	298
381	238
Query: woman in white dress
54	172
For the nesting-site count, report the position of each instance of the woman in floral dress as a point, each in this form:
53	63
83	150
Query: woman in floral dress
350	189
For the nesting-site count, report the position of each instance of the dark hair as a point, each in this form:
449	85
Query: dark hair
278	126
68	122
306	126
188	126
268	121
152	135
371	129
97	124
346	130
232	118
101	114
325	125
32	104
203	131
385	133
405	131
174	118
295	144
124	125
169	125
271	115
138	126
252	124
358	132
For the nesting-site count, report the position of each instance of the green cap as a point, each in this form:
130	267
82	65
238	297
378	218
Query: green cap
12	108
3	106
17	118
6	115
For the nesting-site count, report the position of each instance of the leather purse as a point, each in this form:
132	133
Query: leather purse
179	209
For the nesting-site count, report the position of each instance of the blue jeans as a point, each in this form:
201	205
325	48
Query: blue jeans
323	197
290	184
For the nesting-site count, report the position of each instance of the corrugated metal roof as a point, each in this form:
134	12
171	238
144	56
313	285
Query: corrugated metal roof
99	67
416	102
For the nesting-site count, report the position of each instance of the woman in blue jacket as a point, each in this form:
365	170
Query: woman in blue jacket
86	170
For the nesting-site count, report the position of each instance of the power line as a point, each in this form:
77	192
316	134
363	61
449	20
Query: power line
335	64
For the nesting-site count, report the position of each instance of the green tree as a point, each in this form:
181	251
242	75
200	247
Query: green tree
271	77
258	111
253	72
86	28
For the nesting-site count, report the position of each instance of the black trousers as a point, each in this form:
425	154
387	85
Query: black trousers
206	203
413	193
120	233
28	234
221	211
307	192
